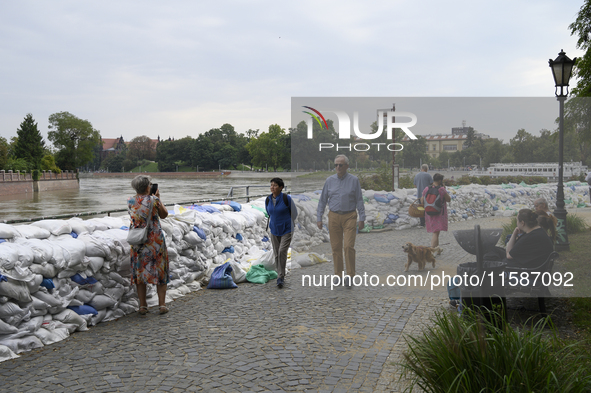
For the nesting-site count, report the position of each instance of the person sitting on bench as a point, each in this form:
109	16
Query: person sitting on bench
528	246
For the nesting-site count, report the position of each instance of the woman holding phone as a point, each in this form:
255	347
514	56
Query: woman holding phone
149	261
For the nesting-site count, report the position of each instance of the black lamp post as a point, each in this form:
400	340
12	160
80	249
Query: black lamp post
561	70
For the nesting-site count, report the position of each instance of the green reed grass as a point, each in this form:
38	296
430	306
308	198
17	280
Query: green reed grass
469	354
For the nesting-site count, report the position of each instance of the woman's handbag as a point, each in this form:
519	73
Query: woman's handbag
416	209
138	236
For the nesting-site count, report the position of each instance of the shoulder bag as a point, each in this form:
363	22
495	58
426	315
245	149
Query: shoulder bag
138	236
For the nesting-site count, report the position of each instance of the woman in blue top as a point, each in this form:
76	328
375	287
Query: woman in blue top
282	214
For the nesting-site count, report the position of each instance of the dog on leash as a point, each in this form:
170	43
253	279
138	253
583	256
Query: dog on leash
420	255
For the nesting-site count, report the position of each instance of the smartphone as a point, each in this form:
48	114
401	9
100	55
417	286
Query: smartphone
154	189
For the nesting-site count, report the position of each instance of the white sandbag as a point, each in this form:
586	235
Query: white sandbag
32	232
127	308
116	292
48	337
45	269
34	283
95	247
25	254
7	231
55	227
6	328
85	296
6	353
9	309
100	302
42	250
238	273
31	325
96	319
114	314
69	317
96	263
17	290
79	227
47	298
74	250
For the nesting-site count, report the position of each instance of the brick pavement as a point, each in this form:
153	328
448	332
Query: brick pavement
256	337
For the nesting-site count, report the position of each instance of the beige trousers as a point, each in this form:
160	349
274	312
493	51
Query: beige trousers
343	227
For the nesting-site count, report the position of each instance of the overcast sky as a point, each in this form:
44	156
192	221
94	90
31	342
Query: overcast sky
179	68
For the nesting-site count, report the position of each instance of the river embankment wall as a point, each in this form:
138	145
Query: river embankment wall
14	183
172	175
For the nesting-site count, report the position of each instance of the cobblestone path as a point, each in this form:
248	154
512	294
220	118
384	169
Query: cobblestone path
257	337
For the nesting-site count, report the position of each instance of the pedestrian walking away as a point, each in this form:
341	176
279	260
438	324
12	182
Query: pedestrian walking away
436	221
282	214
342	194
422	180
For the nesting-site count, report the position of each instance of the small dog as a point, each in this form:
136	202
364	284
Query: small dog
420	255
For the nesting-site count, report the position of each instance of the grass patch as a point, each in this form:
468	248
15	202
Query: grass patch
580	306
151	167
467	354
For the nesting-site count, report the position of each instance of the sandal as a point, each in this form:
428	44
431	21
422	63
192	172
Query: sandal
143	310
163	309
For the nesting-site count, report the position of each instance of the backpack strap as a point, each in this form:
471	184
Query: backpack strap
267	209
286	201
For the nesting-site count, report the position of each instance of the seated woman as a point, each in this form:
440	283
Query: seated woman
533	247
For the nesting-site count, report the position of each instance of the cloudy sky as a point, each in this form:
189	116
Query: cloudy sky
179	68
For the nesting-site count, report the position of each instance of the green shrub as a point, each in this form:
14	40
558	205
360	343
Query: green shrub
35	174
406	182
472	355
575	224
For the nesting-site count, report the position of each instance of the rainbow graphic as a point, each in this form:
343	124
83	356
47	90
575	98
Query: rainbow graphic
316	117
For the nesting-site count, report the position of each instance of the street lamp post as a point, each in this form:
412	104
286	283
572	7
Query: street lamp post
562	68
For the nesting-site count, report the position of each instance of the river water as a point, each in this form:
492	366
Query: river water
101	194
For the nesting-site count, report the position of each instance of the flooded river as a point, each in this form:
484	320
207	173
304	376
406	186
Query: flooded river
103	194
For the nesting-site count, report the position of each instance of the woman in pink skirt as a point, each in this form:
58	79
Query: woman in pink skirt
437	223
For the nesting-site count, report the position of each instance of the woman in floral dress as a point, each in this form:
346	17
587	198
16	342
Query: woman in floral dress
149	261
438	223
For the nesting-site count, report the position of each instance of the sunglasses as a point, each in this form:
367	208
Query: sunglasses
339	165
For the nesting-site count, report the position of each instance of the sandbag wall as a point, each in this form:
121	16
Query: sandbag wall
61	276
471	201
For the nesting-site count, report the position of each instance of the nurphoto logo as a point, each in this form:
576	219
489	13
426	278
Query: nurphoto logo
344	123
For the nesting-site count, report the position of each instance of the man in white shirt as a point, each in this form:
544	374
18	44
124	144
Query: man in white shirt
342	194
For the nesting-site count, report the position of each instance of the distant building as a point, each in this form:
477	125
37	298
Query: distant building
456	141
116	146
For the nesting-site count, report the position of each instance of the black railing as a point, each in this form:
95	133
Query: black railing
108	212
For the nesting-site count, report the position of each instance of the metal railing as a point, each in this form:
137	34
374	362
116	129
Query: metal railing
231	192
108	212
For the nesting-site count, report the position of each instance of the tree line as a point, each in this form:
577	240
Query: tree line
73	141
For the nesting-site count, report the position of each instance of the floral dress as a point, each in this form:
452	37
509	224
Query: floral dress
439	222
149	261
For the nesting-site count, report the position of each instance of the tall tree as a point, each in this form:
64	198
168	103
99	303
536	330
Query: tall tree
4	147
522	146
269	148
141	148
29	145
581	27
74	138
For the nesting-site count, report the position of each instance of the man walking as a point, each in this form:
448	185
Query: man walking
421	181
342	193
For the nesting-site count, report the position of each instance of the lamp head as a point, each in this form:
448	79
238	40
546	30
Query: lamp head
562	68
